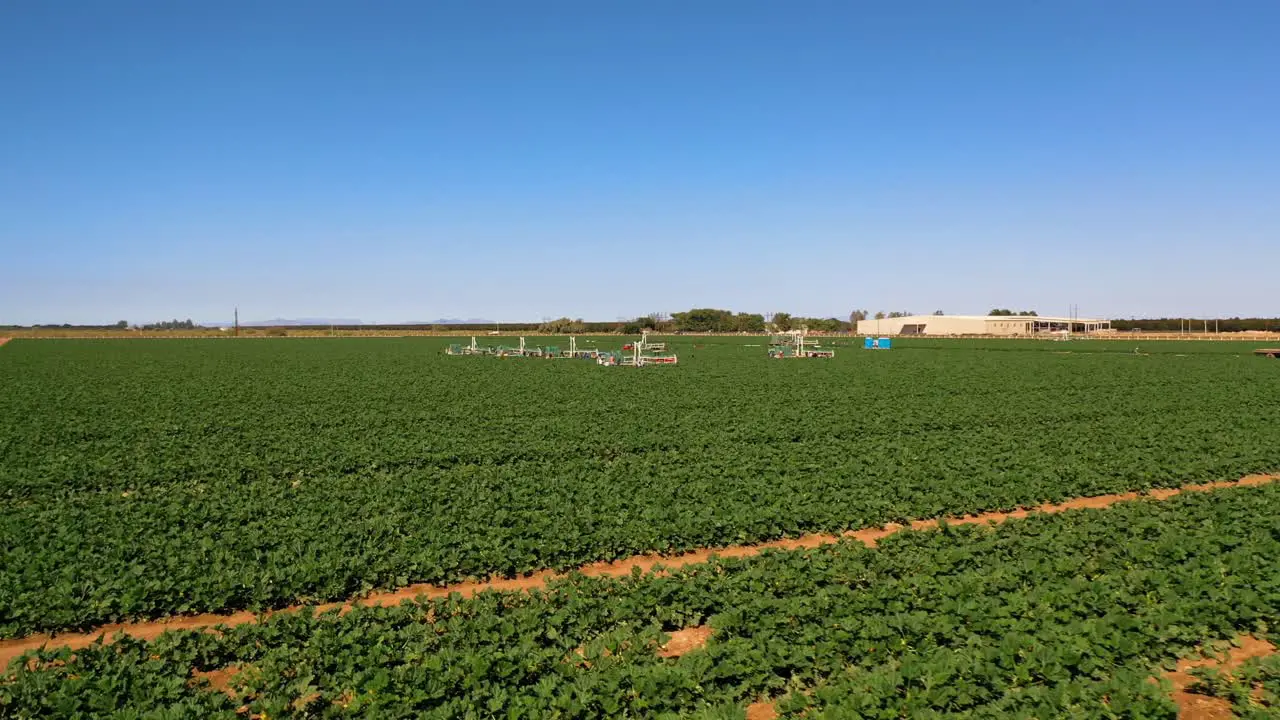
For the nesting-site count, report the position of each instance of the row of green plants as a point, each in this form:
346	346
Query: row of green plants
1067	615
145	479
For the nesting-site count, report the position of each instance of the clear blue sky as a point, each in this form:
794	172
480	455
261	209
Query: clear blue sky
395	161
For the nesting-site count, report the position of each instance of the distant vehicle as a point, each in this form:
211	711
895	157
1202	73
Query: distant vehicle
494	332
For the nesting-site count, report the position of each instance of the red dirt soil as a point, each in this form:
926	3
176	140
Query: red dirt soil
1203	707
657	564
4	340
761	711
219	680
685	641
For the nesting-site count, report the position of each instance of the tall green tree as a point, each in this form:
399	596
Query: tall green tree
705	320
563	326
749	322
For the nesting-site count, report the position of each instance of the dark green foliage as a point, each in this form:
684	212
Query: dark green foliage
563	325
710	320
141	478
1232	325
1050	617
168	325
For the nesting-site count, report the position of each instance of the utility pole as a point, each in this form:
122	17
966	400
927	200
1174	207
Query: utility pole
237	322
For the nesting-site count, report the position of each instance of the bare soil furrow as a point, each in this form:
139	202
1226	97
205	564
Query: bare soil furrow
1201	707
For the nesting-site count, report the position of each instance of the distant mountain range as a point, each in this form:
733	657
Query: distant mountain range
283	322
451	321
287	322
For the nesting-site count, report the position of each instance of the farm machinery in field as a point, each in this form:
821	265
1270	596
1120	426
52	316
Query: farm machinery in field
471	349
521	350
634	354
644	345
796	344
525	350
638	354
580	353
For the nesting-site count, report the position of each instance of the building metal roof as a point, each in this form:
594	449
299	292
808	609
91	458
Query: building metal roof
1041	318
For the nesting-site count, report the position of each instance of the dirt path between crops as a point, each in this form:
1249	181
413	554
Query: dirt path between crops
150	630
4	340
1203	707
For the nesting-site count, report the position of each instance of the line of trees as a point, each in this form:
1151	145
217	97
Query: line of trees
166	325
1234	324
715	320
119	325
123	324
712	320
563	326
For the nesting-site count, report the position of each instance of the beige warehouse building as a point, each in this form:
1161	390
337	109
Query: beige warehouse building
1010	325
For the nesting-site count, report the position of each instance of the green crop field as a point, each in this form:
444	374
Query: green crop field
142	479
148	478
1052	617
